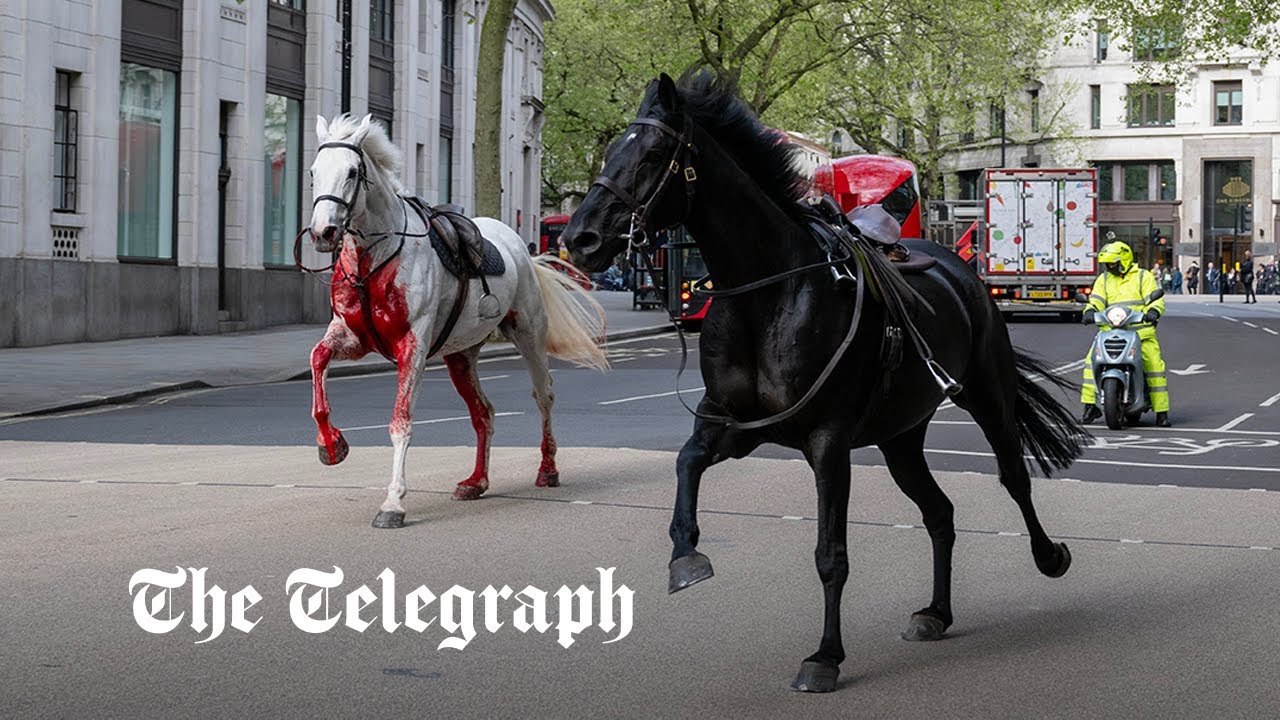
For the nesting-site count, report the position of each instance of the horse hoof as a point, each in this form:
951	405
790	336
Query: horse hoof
1063	558
925	626
469	492
337	453
687	570
389	520
816	677
548	478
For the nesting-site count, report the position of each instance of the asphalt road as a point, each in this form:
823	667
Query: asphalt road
1175	535
1224	395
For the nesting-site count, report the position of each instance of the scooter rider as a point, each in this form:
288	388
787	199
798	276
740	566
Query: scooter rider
1123	282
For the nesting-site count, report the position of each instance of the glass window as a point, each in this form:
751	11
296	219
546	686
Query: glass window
381	23
148	142
1035	110
1228	101
444	169
1095	106
1152	42
283	156
969	180
1168	181
1106	182
66	141
446	34
1151	105
1104	39
966	124
1137	182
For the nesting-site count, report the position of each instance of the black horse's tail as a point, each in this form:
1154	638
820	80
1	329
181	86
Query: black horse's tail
1047	429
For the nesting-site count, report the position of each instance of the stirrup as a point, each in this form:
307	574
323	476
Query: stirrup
843	279
945	382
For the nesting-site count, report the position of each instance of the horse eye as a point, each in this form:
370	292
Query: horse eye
351	173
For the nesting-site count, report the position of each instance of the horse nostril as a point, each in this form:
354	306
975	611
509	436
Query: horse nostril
584	243
329	234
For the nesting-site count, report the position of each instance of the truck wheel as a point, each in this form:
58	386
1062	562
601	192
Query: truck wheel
1112	394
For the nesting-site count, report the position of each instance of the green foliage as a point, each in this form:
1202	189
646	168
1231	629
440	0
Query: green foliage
901	76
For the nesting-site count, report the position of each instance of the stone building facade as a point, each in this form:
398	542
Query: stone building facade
153	152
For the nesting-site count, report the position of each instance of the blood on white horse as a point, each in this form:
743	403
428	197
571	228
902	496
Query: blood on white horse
391	295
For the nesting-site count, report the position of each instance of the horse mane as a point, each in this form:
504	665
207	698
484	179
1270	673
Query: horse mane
765	153
378	148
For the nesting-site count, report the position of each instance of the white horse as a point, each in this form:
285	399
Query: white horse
392	295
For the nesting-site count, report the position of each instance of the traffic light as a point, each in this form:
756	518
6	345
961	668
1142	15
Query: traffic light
1246	222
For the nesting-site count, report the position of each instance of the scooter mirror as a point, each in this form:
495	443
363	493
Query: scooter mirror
1157	294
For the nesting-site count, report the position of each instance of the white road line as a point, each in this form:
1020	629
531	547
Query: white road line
427	422
1235	422
1273	332
1270	401
1163	431
1122	463
791	517
1224	317
648	397
1249	324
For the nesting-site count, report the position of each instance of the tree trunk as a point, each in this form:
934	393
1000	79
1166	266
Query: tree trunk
488	143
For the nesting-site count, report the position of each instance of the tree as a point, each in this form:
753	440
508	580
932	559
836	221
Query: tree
918	93
488	143
600	56
1212	30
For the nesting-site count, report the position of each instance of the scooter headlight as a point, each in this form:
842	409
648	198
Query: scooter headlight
1116	316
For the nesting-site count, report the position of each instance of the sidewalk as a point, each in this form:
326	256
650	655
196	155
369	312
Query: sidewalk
65	377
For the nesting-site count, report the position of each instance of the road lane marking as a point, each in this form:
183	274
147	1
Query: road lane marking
1273	332
427	422
1159	431
1270	401
1122	463
1249	324
989	532
648	397
1235	422
1224	317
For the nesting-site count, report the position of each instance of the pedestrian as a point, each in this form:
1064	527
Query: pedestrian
1211	279
1177	281
1193	278
1246	278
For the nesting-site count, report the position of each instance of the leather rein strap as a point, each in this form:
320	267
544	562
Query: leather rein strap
361	282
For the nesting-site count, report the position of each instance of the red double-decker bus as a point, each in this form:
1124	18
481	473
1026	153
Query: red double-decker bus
549	235
870	179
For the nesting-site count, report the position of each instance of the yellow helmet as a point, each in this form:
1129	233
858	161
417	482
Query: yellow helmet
1116	257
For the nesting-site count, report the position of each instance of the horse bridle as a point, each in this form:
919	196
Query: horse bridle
681	164
362	181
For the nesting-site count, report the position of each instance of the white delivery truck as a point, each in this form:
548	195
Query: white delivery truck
1040	239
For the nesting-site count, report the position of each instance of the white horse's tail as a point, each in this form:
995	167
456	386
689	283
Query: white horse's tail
575	321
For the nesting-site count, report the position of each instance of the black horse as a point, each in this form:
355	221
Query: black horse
697	155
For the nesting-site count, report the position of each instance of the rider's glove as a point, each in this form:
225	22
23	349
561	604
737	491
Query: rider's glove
1152	315
1086	317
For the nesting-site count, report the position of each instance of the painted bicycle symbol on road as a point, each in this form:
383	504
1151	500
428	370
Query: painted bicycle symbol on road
1177	445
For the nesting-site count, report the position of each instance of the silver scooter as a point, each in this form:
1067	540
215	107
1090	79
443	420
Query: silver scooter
1116	357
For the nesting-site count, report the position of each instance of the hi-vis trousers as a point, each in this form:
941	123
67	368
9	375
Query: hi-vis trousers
1152	367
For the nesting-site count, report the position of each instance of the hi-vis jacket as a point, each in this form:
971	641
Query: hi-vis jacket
1128	289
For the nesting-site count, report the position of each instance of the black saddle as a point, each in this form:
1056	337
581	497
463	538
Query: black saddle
457	240
876	225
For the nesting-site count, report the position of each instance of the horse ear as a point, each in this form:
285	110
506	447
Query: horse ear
322	128
363	130
667	95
